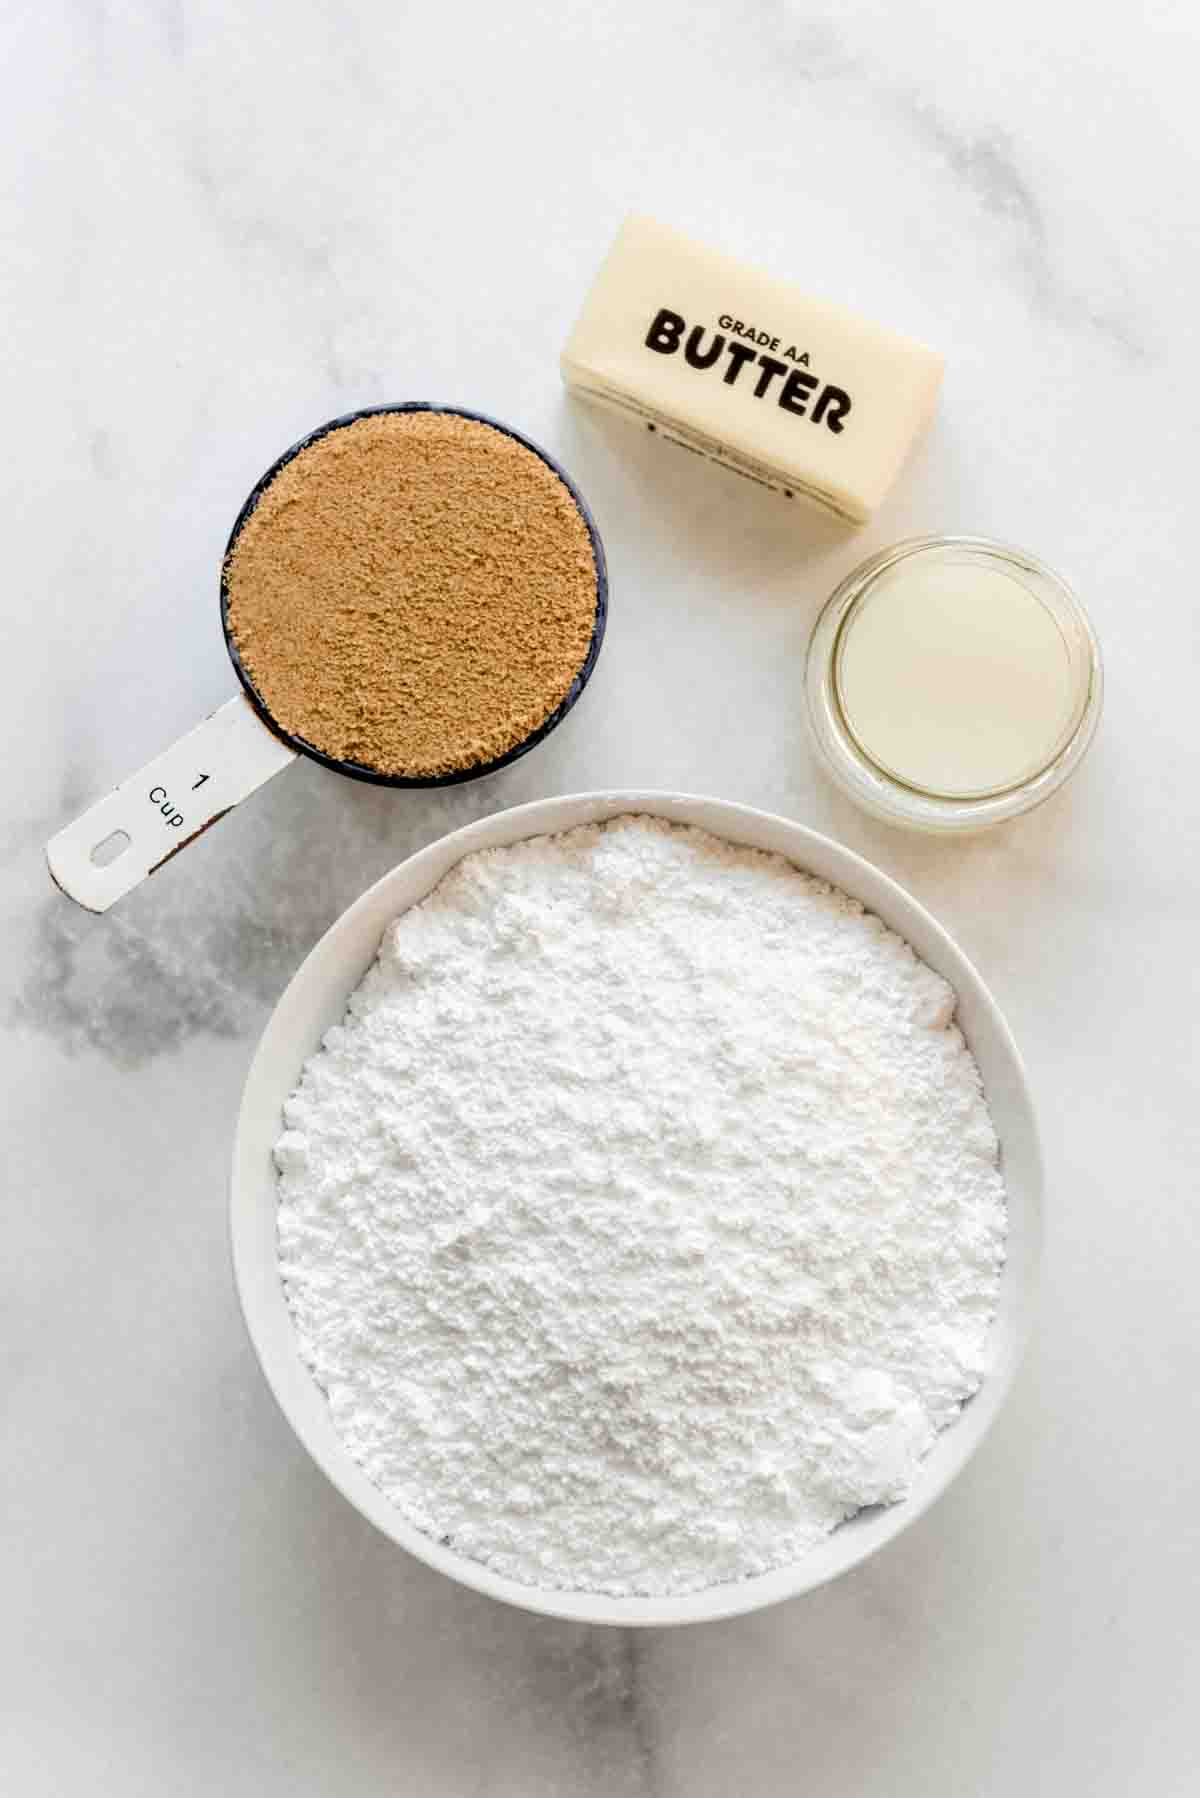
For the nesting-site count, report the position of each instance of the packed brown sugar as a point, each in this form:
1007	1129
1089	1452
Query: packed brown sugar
414	592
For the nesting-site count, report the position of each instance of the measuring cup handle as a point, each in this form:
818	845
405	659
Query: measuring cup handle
160	810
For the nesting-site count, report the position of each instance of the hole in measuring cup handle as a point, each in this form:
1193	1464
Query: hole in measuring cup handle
110	847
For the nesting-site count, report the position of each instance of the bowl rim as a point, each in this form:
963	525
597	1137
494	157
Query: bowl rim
336	964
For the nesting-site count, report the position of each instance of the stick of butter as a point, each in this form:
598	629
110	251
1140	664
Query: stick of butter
793	392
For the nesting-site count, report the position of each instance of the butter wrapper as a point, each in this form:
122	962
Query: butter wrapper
793	392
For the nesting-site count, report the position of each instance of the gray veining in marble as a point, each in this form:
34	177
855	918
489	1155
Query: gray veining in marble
989	165
988	161
225	224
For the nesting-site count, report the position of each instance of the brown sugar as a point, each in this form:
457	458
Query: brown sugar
415	591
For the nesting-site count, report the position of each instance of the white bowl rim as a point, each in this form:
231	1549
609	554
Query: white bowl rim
334	967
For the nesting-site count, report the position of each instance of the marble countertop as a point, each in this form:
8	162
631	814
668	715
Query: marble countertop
223	224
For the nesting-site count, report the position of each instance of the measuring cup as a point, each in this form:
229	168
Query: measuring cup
154	814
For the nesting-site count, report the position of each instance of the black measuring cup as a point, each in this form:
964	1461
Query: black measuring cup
130	833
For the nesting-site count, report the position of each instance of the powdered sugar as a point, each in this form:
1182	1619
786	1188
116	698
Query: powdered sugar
643	1218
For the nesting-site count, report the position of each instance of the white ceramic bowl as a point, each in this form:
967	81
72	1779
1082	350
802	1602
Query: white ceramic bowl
316	998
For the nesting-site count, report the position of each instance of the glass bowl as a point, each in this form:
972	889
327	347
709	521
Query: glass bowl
886	794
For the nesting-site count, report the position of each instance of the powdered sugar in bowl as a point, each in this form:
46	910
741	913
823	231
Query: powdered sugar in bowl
701	1563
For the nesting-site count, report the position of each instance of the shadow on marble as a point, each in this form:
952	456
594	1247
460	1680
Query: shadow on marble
690	512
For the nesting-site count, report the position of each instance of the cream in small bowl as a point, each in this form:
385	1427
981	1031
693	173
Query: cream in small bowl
953	682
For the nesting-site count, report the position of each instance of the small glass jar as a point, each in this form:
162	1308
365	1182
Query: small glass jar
925	803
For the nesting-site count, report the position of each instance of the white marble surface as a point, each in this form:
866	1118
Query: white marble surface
224	223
